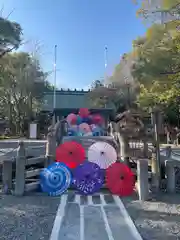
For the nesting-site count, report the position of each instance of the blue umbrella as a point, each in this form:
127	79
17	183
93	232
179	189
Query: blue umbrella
55	179
97	131
80	133
72	132
86	120
78	120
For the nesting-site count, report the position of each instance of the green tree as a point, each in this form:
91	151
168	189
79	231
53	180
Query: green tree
22	85
156	68
10	36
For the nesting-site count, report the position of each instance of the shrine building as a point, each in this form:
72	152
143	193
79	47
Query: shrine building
69	101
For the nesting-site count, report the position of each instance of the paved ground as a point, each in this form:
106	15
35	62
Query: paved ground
100	217
156	219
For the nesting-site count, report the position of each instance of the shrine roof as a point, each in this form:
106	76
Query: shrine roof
67	99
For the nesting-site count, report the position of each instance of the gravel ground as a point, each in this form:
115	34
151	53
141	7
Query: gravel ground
28	217
158	218
31	217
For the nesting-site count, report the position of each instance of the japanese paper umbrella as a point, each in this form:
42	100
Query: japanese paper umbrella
97	131
97	119
84	127
78	119
120	179
55	179
72	132
74	127
71	153
103	154
83	112
71	118
88	178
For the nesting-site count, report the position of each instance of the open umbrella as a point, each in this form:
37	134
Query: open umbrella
97	119
84	127
88	178
120	179
84	112
74	127
78	120
72	132
93	126
71	119
97	131
102	153
71	153
55	179
86	120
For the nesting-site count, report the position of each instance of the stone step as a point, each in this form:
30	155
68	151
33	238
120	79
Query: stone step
102	218
88	140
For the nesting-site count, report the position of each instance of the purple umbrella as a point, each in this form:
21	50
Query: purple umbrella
88	178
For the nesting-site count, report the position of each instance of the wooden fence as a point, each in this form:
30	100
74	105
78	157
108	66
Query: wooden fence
20	174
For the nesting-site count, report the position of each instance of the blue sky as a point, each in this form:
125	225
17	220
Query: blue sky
81	29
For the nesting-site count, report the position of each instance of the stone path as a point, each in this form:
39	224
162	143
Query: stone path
98	217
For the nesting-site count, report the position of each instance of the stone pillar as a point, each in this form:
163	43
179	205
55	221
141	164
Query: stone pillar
50	149
170	174
20	170
145	148
7	176
155	184
142	179
156	164
168	151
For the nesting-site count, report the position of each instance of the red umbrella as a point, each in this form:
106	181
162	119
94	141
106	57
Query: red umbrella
71	118
71	153
84	112
97	119
74	120
120	179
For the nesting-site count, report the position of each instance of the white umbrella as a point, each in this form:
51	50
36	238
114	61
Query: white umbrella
103	154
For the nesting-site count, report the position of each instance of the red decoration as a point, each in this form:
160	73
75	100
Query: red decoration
120	179
71	153
84	112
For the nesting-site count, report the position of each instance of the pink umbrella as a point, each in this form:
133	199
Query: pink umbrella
84	127
71	118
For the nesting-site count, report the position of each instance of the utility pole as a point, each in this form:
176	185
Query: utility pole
105	64
55	76
55	73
